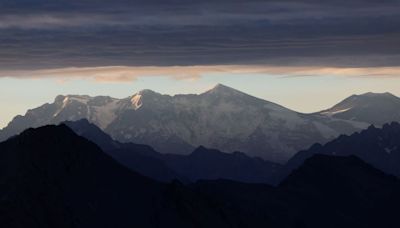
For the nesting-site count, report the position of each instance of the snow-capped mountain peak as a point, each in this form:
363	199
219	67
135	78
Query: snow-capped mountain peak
69	98
100	110
373	108
222	118
77	98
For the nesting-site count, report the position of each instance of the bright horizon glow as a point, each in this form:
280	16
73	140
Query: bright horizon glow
305	94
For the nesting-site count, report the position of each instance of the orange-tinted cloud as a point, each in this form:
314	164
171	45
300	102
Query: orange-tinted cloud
127	74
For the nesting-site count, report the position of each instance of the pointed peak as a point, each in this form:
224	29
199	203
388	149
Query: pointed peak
223	89
220	86
144	96
201	150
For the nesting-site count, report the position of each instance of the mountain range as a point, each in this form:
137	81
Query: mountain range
51	177
202	163
222	118
379	147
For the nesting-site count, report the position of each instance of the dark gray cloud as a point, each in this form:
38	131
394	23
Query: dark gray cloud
38	34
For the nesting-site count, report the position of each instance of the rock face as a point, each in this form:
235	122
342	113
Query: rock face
221	118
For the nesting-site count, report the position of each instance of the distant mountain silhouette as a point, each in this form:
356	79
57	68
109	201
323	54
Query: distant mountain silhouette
379	147
211	164
202	163
51	177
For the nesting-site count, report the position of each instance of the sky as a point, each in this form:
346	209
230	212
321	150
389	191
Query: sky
306	55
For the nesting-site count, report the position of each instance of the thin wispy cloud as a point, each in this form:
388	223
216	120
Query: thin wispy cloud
123	74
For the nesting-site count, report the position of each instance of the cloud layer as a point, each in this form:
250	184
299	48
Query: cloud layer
127	74
48	34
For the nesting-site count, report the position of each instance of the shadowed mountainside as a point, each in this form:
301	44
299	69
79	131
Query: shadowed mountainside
379	147
51	177
202	163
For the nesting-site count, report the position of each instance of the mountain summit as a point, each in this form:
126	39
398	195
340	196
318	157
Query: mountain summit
222	118
223	90
373	108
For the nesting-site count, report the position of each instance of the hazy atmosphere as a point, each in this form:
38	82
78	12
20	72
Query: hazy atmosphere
200	113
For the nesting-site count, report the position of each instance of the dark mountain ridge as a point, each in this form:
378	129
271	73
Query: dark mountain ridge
51	177
326	191
211	164
202	163
379	147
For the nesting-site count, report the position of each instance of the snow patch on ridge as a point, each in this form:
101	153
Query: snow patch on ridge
136	101
66	101
331	113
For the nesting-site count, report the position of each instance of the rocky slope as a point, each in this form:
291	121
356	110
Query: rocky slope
221	118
